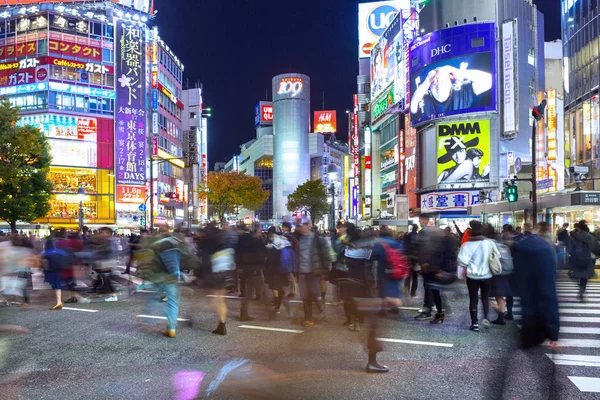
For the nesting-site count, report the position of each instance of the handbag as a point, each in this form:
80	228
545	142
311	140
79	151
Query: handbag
494	261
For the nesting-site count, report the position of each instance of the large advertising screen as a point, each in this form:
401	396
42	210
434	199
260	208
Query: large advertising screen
63	126
131	105
389	57
453	71
373	20
463	152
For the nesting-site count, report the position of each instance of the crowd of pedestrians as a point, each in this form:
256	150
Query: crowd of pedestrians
370	272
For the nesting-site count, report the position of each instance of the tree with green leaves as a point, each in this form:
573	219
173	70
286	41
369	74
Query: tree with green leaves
311	196
24	164
227	192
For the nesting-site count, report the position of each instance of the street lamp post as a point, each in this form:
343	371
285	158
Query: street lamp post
80	197
332	174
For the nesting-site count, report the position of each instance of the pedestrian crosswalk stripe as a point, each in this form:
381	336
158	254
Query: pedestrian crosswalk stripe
581	319
580	330
79	309
585	384
575	360
157	317
592	291
415	342
585	343
264	328
578	311
594	296
579	304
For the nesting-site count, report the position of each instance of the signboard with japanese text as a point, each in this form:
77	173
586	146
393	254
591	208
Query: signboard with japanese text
410	165
70	49
449	201
140	5
131	194
18	50
20	77
325	122
63	126
130	105
463	152
170	96
83	90
509	76
34	87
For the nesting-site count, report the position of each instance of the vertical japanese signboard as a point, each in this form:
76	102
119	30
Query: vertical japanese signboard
131	105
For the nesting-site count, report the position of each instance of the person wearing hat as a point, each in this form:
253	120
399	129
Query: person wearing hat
456	150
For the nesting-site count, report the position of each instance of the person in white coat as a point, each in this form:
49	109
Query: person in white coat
474	256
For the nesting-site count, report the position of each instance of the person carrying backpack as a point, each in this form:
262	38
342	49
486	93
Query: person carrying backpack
280	265
580	248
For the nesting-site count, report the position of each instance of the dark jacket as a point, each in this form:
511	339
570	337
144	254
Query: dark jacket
535	269
249	253
580	246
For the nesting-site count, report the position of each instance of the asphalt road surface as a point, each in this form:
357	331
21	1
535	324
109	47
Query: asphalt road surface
98	351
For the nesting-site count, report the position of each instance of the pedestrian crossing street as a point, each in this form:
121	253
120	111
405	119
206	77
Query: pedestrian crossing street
577	353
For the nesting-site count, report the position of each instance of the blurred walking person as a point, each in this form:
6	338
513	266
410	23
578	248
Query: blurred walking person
222	267
105	260
535	270
501	287
280	265
474	255
250	260
313	264
581	246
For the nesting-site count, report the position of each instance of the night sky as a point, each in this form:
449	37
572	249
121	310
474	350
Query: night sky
235	47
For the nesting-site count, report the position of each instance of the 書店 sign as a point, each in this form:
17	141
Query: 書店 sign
449	201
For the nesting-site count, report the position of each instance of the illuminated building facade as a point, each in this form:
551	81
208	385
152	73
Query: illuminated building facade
291	126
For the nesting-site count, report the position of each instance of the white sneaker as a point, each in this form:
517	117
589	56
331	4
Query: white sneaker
83	300
111	298
485	323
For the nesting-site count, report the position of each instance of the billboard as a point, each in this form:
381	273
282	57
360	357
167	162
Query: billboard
140	5
463	152
263	114
373	19
389	56
130	105
453	71
131	194
509	77
325	122
63	126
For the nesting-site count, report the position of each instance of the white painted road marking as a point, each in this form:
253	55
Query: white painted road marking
584	384
578	304
264	328
580	329
79	309
575	359
415	342
157	317
225	297
589	343
581	319
577	311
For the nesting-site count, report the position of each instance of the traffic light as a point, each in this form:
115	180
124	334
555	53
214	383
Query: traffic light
538	111
512	194
143	221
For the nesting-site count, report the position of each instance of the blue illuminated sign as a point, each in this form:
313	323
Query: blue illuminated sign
154	99
84	90
34	87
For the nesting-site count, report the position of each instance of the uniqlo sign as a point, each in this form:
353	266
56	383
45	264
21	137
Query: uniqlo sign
325	122
263	114
267	113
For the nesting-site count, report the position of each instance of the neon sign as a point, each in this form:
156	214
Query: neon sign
36	87
86	91
291	86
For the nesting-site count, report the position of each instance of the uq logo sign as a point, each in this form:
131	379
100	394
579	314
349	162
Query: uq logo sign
380	18
290	86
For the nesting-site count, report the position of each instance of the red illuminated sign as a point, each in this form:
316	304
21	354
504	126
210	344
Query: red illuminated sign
131	194
20	77
18	50
325	122
171	96
267	113
73	50
367	162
